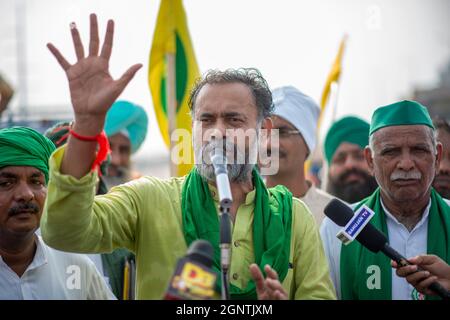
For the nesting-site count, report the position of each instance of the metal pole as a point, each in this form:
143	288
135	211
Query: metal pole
171	106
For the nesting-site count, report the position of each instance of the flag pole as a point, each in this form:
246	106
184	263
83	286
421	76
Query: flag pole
335	95
171	107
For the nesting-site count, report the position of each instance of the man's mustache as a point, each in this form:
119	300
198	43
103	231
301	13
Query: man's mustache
30	207
405	175
351	171
229	149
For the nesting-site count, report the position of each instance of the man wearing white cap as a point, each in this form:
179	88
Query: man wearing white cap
295	116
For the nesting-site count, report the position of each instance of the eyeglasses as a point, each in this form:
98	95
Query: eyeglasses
285	133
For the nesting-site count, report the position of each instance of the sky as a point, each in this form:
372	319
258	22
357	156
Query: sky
394	47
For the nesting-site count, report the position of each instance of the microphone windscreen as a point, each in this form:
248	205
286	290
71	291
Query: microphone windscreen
338	212
201	251
370	237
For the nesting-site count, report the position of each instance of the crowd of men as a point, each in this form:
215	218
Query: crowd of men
79	223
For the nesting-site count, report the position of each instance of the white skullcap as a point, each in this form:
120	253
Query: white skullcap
300	110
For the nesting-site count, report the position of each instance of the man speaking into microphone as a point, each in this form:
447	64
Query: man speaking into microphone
403	155
158	219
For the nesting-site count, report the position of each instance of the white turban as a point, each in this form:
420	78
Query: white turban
300	110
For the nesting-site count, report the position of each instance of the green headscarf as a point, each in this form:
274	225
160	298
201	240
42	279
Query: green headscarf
400	114
271	225
21	146
348	129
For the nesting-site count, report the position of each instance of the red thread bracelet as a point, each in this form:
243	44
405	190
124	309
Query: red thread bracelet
103	150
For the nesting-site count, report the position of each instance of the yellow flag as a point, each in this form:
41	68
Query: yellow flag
172	36
333	76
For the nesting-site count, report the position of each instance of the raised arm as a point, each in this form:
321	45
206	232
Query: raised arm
92	91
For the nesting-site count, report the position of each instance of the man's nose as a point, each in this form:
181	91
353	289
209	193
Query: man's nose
115	158
350	162
23	192
219	131
406	162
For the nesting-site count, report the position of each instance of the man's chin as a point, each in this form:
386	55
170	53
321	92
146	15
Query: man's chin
22	228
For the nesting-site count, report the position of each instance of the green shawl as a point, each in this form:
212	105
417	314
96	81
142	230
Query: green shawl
271	225
357	262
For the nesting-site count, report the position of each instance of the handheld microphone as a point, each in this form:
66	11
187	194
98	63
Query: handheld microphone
194	278
374	240
219	162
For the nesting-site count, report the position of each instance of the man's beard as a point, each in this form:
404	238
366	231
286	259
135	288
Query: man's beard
239	165
123	175
441	184
354	191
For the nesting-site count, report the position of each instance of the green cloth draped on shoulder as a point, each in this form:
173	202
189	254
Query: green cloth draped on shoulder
355	259
271	225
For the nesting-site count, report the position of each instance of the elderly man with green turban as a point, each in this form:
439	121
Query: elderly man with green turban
29	269
126	127
348	174
404	156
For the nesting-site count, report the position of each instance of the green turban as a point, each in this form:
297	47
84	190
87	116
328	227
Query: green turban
400	114
348	129
21	146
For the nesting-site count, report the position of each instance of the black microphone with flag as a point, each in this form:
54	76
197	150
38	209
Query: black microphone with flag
373	239
194	278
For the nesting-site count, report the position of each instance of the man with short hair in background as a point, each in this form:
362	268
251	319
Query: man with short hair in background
442	181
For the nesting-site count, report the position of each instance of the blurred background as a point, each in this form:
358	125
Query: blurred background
396	49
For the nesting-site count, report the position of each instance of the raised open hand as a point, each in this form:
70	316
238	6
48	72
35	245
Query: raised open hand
92	89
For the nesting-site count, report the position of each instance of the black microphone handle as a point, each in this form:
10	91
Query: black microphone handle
402	261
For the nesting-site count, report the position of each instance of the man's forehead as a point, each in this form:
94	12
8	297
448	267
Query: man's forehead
230	95
119	138
402	134
20	170
348	147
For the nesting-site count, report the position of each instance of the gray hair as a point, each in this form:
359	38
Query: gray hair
248	76
431	134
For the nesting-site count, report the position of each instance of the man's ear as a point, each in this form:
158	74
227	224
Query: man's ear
369	158
267	124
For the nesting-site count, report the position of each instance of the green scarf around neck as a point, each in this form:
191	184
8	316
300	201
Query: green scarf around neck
271	225
359	266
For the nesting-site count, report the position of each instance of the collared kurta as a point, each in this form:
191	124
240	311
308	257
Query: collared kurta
145	217
54	275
